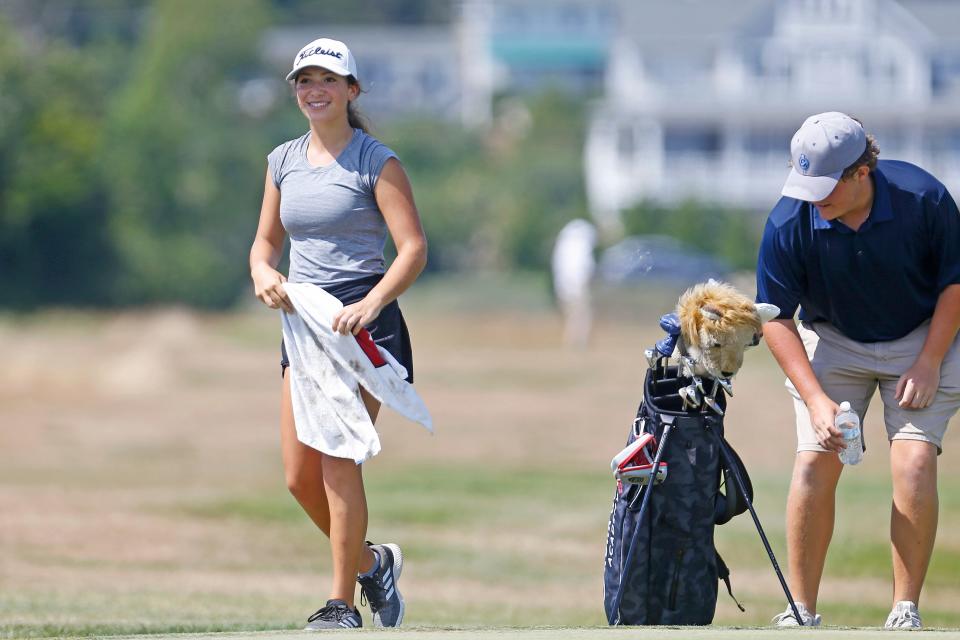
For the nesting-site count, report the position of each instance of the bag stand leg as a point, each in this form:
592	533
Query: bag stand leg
743	491
667	426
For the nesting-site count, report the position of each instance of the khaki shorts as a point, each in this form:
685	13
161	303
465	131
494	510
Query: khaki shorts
852	371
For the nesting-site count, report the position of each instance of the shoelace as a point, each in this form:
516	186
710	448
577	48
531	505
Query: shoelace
335	612
906	617
373	585
789	614
780	617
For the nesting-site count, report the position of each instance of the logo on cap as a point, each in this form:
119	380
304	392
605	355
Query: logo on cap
319	51
804	163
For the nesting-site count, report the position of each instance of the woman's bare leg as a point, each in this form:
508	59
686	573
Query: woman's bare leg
303	465
331	491
343	481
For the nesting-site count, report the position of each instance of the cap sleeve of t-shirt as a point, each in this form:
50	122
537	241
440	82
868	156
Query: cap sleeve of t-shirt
275	162
779	270
280	159
373	157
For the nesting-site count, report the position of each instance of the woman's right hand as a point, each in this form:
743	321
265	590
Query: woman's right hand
268	287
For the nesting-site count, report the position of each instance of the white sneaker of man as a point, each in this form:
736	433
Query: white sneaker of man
904	616
788	619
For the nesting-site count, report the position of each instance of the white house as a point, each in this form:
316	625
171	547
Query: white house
702	97
455	71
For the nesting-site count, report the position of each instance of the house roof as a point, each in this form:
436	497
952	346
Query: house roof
687	27
280	44
941	17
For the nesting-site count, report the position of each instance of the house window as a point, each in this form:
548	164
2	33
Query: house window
691	139
768	141
945	141
572	18
626	141
892	141
513	19
378	73
431	78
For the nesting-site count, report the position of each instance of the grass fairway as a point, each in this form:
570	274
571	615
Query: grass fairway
141	489
560	633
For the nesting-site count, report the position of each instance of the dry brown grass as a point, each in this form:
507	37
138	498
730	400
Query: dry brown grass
140	484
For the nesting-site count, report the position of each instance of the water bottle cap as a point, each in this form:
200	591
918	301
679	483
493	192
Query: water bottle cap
844	406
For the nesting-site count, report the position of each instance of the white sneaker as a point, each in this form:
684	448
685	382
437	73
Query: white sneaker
903	616
787	619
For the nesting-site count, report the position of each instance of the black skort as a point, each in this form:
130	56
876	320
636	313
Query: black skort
389	330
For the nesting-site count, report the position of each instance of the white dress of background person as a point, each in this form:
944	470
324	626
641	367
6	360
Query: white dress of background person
573	266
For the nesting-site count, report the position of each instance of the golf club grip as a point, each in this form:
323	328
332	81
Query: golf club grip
756	520
643	507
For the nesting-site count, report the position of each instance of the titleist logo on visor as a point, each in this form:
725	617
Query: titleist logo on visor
319	51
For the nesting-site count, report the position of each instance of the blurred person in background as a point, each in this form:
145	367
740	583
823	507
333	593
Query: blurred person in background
337	191
573	265
870	251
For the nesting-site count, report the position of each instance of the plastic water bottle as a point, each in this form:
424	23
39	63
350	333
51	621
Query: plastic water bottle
848	422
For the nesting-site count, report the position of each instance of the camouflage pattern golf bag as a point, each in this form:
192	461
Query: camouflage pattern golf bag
674	568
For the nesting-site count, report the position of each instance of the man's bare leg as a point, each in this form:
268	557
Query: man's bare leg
810	517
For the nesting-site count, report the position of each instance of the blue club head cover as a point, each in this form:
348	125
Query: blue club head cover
671	324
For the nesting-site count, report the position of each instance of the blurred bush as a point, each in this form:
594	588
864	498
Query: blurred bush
129	172
732	235
55	242
496	200
183	158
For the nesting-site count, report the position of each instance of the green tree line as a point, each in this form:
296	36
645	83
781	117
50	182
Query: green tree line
128	171
131	170
733	235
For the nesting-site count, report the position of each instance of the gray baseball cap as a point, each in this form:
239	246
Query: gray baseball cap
821	149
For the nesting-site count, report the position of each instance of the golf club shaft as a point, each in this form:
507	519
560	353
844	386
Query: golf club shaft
763	537
643	507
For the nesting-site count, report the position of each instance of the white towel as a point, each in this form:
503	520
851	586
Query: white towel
326	372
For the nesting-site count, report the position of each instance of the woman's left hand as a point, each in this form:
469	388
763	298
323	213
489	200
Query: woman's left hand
356	316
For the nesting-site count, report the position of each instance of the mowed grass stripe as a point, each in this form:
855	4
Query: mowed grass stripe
559	633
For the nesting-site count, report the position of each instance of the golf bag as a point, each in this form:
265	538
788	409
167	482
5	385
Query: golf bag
664	570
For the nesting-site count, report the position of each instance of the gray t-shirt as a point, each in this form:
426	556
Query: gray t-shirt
336	230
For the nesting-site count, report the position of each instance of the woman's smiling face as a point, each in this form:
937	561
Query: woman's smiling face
322	95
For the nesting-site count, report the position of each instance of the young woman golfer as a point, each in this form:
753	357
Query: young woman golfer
336	191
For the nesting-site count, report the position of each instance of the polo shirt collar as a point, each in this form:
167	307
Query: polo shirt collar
880	211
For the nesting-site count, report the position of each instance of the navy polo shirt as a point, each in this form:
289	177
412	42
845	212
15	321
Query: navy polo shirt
874	284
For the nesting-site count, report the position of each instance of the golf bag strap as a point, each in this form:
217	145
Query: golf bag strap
729	498
730	503
723	572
